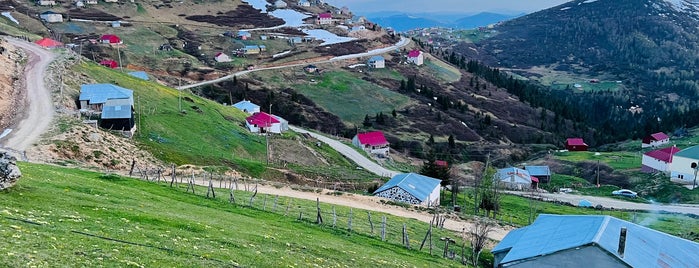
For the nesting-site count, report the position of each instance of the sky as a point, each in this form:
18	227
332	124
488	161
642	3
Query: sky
447	6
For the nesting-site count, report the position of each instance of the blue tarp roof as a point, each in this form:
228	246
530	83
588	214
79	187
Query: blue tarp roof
552	233
538	170
417	185
376	58
246	105
140	74
100	93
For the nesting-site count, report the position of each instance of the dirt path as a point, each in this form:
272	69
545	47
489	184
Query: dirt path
38	111
403	42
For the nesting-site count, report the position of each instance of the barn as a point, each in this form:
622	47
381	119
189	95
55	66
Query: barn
592	241
411	188
576	144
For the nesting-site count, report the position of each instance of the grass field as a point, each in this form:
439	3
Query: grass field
617	160
351	98
67	217
443	71
587	86
206	133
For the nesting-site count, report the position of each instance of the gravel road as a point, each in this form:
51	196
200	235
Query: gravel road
350	153
38	111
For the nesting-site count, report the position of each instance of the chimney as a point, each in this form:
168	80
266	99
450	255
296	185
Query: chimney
622	242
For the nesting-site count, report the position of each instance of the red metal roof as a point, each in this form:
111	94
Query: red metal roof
659	136
575	141
374	138
113	39
664	154
534	179
414	53
325	16
48	42
109	63
262	119
441	163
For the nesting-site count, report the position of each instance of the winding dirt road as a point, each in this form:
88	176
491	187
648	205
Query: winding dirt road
38	109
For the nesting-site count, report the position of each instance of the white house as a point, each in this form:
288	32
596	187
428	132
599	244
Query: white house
263	123
655	140
658	160
50	16
376	62
681	166
515	178
416	57
247	106
222	57
324	18
373	143
304	3
411	188
46	2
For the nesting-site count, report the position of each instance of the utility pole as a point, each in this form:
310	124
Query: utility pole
119	55
597	173
269	121
179	94
140	111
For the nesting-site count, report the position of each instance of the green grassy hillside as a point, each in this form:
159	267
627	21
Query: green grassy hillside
67	217
204	133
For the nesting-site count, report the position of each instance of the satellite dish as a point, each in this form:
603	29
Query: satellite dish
694	164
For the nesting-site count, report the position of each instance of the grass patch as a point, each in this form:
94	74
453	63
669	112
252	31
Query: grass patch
351	98
66	217
443	71
616	160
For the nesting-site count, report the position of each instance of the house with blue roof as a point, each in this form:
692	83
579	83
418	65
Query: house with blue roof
543	173
411	188
376	62
592	241
113	103
515	178
681	165
247	106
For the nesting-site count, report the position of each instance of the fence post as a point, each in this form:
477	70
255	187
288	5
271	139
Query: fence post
406	239
211	189
253	196
274	207
173	175
429	231
334	217
264	204
371	224
349	221
231	199
288	205
319	218
383	228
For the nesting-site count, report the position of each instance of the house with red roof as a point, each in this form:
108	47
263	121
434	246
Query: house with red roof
110	39
655	140
374	143
658	160
324	18
222	57
48	43
109	63
263	123
416	57
576	144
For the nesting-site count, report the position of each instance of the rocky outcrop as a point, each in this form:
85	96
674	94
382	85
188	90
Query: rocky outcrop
9	171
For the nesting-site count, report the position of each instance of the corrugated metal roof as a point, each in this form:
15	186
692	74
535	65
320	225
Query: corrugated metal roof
644	247
100	93
116	112
691	152
376	59
508	174
417	185
246	105
140	74
538	170
510	240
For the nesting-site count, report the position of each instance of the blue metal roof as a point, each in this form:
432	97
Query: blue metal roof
417	185
116	112
552	233
100	93
691	152
376	58
140	74
538	170
246	105
510	240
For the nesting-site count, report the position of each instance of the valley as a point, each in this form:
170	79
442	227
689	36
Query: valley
461	109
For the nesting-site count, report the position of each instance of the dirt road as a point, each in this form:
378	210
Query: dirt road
350	153
38	110
615	203
403	42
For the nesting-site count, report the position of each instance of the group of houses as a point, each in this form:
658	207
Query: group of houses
528	177
680	164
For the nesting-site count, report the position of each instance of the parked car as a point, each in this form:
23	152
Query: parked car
625	192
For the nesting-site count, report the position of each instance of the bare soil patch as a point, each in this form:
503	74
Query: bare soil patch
10	94
243	15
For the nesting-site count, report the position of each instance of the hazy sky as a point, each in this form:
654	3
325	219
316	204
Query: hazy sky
451	6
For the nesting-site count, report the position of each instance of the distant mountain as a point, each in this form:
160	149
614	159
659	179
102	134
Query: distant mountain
405	22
